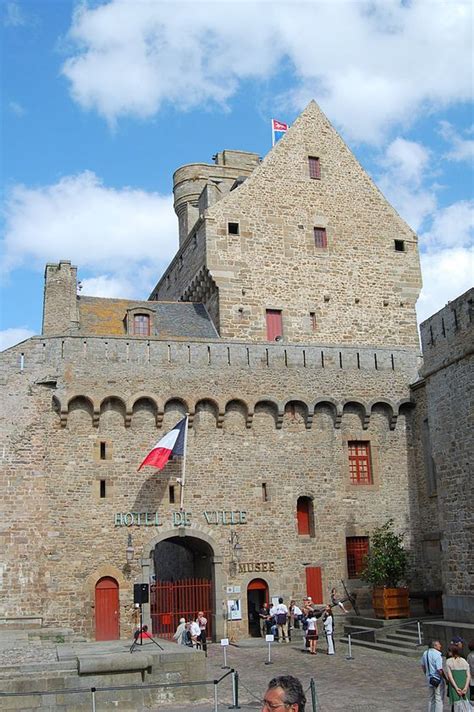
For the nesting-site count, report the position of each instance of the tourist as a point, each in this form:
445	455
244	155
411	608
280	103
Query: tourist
284	692
459	678
432	664
264	617
179	634
470	660
328	623
312	632
195	632
281	617
201	620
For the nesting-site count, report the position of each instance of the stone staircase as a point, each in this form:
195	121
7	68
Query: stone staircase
399	637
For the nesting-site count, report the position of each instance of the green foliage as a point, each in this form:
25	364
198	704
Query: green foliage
387	561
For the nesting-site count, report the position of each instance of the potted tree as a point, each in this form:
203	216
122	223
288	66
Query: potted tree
385	569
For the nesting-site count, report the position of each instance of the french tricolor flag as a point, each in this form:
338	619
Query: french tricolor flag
173	443
278	129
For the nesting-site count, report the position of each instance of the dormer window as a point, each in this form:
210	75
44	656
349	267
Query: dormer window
141	325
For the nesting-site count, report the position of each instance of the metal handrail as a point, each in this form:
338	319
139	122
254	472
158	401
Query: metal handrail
388	627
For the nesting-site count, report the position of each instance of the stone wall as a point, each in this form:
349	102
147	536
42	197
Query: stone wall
259	415
447	339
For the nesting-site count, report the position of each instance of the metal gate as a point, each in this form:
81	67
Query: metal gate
172	600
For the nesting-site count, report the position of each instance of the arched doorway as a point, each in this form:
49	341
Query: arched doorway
107	622
183	583
257	595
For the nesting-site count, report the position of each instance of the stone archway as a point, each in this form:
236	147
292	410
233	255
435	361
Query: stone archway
184	568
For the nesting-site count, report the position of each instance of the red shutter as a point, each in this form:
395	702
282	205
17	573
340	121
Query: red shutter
302	513
314	584
274	324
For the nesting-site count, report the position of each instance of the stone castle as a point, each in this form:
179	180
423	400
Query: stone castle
285	326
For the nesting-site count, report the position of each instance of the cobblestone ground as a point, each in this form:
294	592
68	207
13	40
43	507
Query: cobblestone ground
371	682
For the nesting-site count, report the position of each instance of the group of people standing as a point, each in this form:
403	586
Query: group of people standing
192	632
455	676
279	620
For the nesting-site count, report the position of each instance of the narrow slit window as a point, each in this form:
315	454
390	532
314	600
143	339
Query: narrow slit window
314	323
102	489
171	494
314	168
264	492
320	237
103	450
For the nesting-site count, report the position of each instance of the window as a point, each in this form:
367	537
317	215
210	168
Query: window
171	494
102	489
314	323
320	237
304	515
359	463
264	492
314	168
357	548
233	228
274	324
141	325
399	245
103	450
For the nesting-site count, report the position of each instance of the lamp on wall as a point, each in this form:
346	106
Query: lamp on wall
130	551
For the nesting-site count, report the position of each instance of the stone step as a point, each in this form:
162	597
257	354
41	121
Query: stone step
384	647
399	635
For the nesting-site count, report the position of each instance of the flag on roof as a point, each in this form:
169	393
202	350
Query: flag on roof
278	129
173	443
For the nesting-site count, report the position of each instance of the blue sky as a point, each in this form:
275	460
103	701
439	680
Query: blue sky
102	101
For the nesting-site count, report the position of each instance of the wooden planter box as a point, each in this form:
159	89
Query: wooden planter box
390	602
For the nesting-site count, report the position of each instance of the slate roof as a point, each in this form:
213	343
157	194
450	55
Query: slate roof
107	317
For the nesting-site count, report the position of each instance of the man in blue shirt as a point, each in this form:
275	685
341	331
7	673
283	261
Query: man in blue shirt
432	664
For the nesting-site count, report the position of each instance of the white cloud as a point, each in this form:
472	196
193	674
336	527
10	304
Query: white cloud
461	149
12	336
370	65
101	229
405	164
447	273
13	15
112	287
452	226
16	108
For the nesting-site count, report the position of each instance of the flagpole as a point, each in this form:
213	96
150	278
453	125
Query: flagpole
183	466
273	135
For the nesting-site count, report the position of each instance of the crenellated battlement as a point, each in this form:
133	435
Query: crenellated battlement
205	354
447	336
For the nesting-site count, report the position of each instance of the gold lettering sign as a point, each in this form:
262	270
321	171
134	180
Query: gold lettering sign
256	566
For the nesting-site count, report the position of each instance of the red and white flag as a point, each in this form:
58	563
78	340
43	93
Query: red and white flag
173	443
278	130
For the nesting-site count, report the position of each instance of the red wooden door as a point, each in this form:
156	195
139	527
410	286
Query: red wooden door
274	324
314	584
107	624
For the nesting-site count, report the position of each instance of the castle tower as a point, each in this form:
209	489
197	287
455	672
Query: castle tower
60	310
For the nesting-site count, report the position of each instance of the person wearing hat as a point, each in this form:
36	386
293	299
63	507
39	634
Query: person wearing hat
180	631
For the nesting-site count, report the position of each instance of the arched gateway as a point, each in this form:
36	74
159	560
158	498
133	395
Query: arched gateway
183	583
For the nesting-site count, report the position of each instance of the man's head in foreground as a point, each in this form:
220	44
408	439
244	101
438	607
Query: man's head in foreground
284	693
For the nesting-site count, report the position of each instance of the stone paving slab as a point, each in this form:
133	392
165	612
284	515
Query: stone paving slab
371	682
